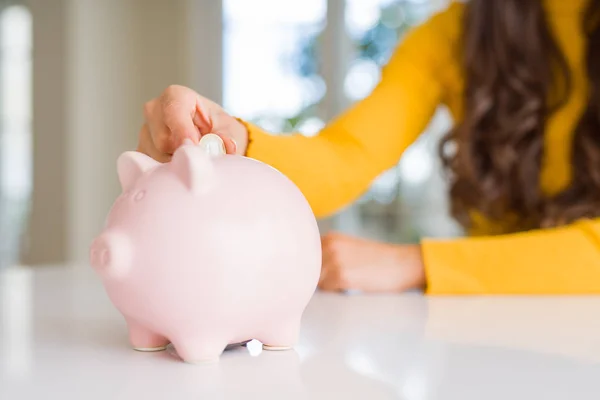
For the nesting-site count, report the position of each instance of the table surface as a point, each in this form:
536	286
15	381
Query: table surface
61	338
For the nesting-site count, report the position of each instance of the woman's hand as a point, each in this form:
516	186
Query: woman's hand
179	113
351	263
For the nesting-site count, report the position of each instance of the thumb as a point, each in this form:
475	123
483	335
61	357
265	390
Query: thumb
203	120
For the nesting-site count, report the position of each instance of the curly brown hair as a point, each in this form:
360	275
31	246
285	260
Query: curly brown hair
516	77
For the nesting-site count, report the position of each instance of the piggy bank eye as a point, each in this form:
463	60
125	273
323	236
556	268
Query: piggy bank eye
139	195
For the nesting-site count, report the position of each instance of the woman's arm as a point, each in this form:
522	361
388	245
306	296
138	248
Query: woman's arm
335	167
555	261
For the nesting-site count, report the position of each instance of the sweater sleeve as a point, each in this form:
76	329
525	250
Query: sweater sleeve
335	167
556	261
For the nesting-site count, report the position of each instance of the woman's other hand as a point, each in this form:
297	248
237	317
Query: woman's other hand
180	113
351	263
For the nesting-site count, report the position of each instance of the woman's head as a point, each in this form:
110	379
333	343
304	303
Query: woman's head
515	78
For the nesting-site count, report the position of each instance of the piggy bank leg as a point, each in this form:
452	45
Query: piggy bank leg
199	350
143	339
282	336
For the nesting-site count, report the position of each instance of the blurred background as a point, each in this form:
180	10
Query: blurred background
74	75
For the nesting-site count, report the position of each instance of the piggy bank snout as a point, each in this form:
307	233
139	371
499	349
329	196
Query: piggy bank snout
110	254
100	256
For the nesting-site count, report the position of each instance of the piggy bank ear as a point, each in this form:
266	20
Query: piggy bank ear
131	165
193	167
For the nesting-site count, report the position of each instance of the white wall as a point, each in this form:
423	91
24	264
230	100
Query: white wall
47	238
95	64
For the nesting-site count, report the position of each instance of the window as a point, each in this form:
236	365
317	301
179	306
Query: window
274	54
270	67
409	201
15	126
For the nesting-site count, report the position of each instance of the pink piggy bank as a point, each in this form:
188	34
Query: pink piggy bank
208	250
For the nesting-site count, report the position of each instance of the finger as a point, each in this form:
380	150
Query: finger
324	280
329	278
155	154
146	146
328	253
163	140
158	132
330	283
328	257
230	145
209	118
179	122
202	117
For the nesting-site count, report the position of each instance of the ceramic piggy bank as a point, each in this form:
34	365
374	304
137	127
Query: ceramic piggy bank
207	250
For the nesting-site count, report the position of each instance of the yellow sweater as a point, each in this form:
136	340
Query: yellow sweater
335	167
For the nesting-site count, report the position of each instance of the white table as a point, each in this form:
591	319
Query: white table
60	338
